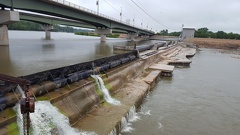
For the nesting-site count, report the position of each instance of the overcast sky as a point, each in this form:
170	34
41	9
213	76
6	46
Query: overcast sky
216	15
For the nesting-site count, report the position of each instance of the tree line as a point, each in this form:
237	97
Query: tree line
204	33
111	35
200	33
31	26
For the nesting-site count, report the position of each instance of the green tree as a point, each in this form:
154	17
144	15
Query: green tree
221	35
174	34
202	33
164	32
232	35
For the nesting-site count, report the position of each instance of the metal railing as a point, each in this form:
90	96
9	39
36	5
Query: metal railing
66	3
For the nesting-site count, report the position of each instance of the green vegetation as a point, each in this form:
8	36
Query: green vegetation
200	33
204	33
113	35
24	25
97	35
87	34
32	26
43	98
165	33
13	129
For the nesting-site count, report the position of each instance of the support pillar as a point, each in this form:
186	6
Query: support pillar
6	18
131	36
47	29
103	38
4	35
103	33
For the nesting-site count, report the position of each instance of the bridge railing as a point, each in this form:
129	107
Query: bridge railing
67	3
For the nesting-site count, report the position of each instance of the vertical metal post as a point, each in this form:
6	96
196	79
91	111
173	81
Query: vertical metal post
12	5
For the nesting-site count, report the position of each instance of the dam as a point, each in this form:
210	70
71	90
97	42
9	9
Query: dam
128	77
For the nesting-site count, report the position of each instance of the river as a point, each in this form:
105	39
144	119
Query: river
203	99
29	52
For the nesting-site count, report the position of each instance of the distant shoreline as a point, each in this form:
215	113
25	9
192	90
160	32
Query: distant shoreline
226	44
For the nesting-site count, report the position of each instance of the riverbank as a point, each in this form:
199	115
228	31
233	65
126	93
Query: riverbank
227	44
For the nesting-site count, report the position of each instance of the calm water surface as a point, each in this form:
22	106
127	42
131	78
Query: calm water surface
29	52
201	100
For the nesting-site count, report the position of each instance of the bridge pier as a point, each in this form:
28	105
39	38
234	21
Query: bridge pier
103	33
4	35
6	18
145	37
131	36
47	29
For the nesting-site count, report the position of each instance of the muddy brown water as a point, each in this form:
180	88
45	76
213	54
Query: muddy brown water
29	52
201	100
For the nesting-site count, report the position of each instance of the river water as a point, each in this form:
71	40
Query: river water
29	52
201	100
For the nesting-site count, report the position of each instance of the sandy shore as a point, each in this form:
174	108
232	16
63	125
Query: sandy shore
226	44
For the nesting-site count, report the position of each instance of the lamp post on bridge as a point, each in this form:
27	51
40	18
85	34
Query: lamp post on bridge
121	15
97	3
133	20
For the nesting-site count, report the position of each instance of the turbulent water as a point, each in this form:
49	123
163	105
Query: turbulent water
126	122
203	99
104	91
47	120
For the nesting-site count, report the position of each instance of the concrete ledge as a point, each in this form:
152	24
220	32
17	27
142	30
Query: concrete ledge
162	67
152	78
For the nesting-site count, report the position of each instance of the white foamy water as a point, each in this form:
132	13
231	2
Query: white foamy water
133	115
47	120
160	125
125	125
104	91
113	132
146	113
126	122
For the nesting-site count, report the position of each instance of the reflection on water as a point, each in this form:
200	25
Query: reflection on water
201	100
29	53
5	59
48	47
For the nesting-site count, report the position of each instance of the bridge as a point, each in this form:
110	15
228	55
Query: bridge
71	13
48	21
